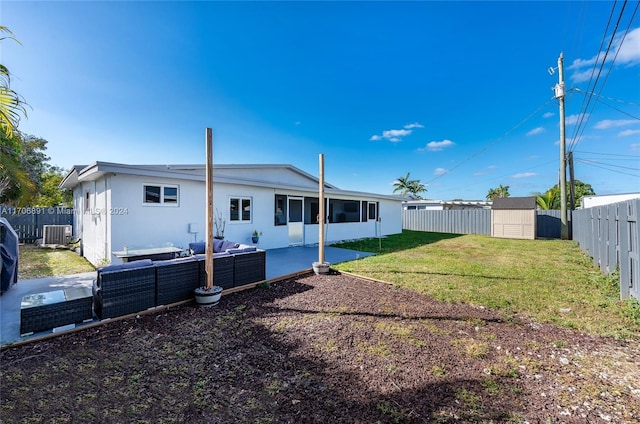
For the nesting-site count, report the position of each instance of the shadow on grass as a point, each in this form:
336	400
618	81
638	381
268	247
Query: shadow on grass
450	274
396	242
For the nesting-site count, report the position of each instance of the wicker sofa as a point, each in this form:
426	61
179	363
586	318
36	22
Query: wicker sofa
139	285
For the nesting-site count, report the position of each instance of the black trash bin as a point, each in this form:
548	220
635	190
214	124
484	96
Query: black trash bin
8	256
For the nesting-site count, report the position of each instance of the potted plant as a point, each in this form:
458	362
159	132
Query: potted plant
219	222
255	236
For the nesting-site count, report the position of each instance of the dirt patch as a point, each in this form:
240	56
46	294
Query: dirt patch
321	349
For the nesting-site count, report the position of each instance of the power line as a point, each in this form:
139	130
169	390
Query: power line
587	99
476	182
604	97
608	164
485	148
598	99
575	140
607	169
606	154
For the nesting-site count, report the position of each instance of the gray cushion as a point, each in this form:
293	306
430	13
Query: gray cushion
226	245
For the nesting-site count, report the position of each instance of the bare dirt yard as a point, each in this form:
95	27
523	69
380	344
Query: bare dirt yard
323	349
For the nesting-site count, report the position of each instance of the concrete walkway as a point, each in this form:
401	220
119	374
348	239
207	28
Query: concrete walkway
280	262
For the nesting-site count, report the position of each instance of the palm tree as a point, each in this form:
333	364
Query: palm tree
500	191
406	186
12	105
545	200
402	184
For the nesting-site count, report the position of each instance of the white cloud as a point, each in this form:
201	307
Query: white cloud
635	147
548	115
524	175
298	123
608	123
435	146
628	54
630	49
479	174
439	171
395	133
573	119
626	133
533	157
491	167
535	131
395	136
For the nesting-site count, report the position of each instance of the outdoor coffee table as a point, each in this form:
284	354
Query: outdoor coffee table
44	311
154	253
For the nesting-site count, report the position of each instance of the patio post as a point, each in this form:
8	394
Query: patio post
321	267
209	184
321	210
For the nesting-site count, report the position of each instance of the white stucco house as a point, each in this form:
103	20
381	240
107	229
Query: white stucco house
146	206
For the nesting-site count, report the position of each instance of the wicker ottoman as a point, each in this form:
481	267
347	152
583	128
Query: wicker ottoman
44	311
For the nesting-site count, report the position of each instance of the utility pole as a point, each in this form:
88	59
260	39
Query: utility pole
559	94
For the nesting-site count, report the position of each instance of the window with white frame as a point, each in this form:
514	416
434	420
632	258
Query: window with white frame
240	209
160	194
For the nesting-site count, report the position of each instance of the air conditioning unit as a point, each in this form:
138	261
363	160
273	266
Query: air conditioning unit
56	234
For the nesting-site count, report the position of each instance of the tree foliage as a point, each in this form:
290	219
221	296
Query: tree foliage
406	186
551	198
12	105
50	194
26	178
500	191
25	175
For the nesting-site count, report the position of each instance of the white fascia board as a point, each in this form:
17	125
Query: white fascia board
98	169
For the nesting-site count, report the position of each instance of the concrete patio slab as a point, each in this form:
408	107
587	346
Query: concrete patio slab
280	262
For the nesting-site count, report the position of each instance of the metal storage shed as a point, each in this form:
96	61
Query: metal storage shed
514	217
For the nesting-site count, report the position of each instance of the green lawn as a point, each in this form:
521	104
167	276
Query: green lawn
35	262
551	281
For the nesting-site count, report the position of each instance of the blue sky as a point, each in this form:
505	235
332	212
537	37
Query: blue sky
456	93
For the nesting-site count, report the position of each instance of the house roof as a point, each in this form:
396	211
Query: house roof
514	203
282	176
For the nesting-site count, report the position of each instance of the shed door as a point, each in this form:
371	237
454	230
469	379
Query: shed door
295	221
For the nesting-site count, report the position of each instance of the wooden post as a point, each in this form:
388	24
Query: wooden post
209	214
321	211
